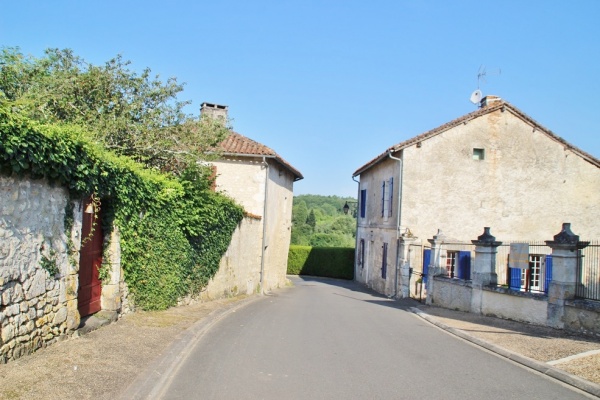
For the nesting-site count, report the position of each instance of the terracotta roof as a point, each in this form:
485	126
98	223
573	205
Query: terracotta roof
241	146
496	105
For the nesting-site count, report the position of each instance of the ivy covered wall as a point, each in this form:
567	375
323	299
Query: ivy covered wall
173	232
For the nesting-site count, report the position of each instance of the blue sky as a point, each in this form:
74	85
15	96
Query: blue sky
331	84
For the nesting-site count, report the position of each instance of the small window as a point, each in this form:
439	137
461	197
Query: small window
478	154
384	261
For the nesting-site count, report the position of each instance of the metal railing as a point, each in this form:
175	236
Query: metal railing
534	278
588	272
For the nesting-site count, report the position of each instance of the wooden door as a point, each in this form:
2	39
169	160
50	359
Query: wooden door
90	260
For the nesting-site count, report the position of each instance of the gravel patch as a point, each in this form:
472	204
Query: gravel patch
102	363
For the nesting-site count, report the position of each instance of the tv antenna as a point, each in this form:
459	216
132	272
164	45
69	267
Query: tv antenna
477	95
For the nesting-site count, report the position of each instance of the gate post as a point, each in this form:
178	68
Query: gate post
404	243
565	248
484	267
436	267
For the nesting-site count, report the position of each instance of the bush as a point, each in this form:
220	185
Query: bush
331	262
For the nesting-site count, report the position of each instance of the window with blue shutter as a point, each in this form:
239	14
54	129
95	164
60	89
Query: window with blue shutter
384	261
464	265
548	273
363	203
426	261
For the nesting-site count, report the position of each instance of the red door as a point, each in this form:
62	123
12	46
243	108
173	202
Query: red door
90	260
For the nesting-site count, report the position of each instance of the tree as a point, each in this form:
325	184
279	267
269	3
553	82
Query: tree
325	224
311	219
299	213
133	114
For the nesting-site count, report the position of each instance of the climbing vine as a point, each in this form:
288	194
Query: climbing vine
173	231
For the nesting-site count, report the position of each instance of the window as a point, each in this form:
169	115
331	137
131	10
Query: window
478	154
451	269
363	203
384	261
387	193
361	253
536	277
458	264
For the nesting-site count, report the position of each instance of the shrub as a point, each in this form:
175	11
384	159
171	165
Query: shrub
331	262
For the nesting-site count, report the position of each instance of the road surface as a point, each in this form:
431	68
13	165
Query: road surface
331	339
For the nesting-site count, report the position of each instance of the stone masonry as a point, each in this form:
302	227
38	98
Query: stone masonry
36	307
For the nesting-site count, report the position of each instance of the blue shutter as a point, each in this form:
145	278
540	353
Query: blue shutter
548	273
390	211
514	275
464	265
426	261
363	203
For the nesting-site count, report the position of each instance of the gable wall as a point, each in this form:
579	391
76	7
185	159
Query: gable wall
244	180
279	223
526	187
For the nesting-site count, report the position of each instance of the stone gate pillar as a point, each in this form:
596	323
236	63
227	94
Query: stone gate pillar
484	267
565	249
404	242
436	266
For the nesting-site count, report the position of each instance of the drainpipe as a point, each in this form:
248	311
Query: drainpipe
356	242
264	232
398	214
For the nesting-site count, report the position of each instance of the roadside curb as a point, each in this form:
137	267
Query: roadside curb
151	383
543	368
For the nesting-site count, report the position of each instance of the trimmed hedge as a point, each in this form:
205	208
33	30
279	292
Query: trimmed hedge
331	262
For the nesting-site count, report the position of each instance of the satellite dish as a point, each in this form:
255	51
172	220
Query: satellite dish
476	97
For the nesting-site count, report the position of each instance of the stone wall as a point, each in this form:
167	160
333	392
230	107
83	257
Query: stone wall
239	270
36	307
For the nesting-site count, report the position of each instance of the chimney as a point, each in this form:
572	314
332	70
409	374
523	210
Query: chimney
489	101
214	111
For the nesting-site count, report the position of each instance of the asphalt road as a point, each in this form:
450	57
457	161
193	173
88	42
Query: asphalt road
330	339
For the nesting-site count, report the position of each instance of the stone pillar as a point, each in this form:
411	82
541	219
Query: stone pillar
111	293
565	248
484	267
403	291
436	266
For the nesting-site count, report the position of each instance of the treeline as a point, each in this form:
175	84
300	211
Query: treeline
320	221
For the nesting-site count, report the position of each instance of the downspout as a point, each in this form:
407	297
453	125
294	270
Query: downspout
356	242
264	231
398	214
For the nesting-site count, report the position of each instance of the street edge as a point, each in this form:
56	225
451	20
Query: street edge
151	383
543	368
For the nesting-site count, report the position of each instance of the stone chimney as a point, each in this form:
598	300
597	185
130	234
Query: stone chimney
489	101
214	111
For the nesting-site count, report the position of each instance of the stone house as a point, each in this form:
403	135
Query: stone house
494	167
261	181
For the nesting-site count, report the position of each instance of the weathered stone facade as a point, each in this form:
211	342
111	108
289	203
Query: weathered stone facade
495	166
36	306
39	265
257	254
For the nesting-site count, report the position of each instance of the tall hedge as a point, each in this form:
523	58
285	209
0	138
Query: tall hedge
331	262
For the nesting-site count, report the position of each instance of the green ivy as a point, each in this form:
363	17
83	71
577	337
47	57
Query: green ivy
173	231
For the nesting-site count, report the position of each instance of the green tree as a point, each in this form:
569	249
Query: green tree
331	226
133	114
299	213
311	219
